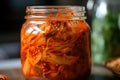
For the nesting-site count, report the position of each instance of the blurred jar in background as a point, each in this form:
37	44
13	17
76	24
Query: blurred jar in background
89	6
106	30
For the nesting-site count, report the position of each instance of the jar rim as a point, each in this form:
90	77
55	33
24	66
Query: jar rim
53	9
81	8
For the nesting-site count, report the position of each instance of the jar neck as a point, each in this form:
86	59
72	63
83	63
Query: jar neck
55	12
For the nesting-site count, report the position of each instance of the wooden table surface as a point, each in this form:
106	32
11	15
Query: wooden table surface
98	73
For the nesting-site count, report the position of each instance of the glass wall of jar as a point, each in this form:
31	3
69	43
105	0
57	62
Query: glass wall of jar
55	43
106	30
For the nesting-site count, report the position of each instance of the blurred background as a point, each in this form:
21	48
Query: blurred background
103	16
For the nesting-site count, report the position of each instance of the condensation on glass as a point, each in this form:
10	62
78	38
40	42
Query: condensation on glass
55	43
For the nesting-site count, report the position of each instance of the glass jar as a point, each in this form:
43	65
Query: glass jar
106	30
55	43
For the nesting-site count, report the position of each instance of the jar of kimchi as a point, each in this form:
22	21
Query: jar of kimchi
55	43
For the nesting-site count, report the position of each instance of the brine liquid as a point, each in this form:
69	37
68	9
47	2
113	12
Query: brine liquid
55	50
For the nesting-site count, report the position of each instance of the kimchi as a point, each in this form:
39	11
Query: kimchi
55	46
